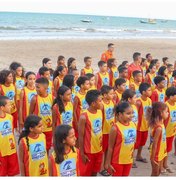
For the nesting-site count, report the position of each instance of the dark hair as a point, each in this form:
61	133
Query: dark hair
42	70
81	80
3	100
14	66
128	93
69	62
89	75
110	44
161	70
124	63
119	82
92	96
144	87
3	75
42	81
158	79
164	59
121	69
136	55
30	122
28	74
86	58
68	80
135	73
153	114
58	71
58	100
143	60
60	134
169	65
110	62
153	61
60	58
171	91
45	60
174	73
150	67
121	107
147	55
101	63
105	89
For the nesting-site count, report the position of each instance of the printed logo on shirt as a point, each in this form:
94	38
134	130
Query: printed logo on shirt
30	96
130	136
115	74
105	81
68	167
173	116
109	113
161	97
49	90
171	80
163	135
45	109
5	128
10	95
67	117
145	109
97	126
20	84
76	88
84	104
135	116
165	83
37	151
138	94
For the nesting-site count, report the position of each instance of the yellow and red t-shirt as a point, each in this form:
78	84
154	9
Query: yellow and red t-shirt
158	96
150	78
103	79
86	71
124	145
135	114
19	84
136	89
59	82
92	88
50	87
113	75
118	96
35	158
106	55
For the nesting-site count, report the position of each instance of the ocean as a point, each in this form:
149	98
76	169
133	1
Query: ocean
62	26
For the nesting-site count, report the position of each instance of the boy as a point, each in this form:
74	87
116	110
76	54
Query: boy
137	76
41	106
80	103
109	53
91	78
120	86
149	59
102	77
170	69
123	73
8	154
158	95
165	61
90	135
142	127
87	68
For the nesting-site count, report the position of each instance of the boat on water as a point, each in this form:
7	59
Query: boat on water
86	20
149	21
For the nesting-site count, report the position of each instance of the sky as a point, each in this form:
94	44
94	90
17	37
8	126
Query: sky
160	9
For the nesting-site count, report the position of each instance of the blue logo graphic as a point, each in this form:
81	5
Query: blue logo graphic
84	104
105	81
130	136
68	167
109	113
173	116
30	96
115	74
10	95
6	128
37	150
76	88
67	117
45	109
161	97
20	84
135	116
49	90
138	94
97	126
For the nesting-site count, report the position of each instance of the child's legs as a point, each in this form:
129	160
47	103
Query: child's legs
165	162
155	169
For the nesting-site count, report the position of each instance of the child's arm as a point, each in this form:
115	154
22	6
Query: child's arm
21	109
32	105
50	167
54	118
96	80
82	72
75	107
21	159
146	79
55	84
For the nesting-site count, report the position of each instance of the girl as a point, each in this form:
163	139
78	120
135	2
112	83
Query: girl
75	88
61	61
25	97
7	88
163	72
155	116
125	63
64	159
143	67
32	148
121	142
58	77
71	65
62	110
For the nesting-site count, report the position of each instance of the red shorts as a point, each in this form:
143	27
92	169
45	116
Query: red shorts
105	142
15	119
93	166
121	169
141	139
9	165
169	142
49	136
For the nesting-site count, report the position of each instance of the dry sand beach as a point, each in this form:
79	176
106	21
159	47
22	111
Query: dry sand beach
31	52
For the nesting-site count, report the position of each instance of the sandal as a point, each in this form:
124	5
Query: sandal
104	173
142	160
169	170
134	165
163	171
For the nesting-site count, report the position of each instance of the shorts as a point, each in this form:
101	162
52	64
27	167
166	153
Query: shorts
105	142
93	166
49	136
122	169
141	139
15	119
169	142
9	165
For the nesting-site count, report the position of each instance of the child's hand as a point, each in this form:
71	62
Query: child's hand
84	158
110	168
154	162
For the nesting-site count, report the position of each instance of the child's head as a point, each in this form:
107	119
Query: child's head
30	78
47	63
5	105
60	71
159	81
6	76
145	89
123	72
123	112
91	78
129	96
94	99
64	136
111	62
120	84
71	63
44	72
75	73
171	93
88	61
148	56
165	60
162	71
68	80
170	68
157	63
137	57
144	62
61	61
152	68
111	47
107	92
157	113
125	63
41	85
102	66
137	75
17	68
83	83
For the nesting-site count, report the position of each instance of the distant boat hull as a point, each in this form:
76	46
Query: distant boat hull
147	22
86	21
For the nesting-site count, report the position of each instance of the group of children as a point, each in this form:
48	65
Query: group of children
73	124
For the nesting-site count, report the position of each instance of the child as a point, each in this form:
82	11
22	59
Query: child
125	64
80	103
90	135
142	127
8	152
120	86
143	67
165	61
102	77
26	96
41	106
61	62
64	161
174	78
91	78
170	69
108	120
87	68
7	88
155	116
137	76
149	59
75	88
121	142
123	73
112	70
32	148
58	77
158	95
71	65
62	109
163	72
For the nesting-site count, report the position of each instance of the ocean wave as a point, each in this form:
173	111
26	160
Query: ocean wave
9	28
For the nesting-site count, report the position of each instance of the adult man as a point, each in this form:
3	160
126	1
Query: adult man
109	53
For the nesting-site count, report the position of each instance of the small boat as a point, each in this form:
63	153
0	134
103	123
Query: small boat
149	21
86	20
164	21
